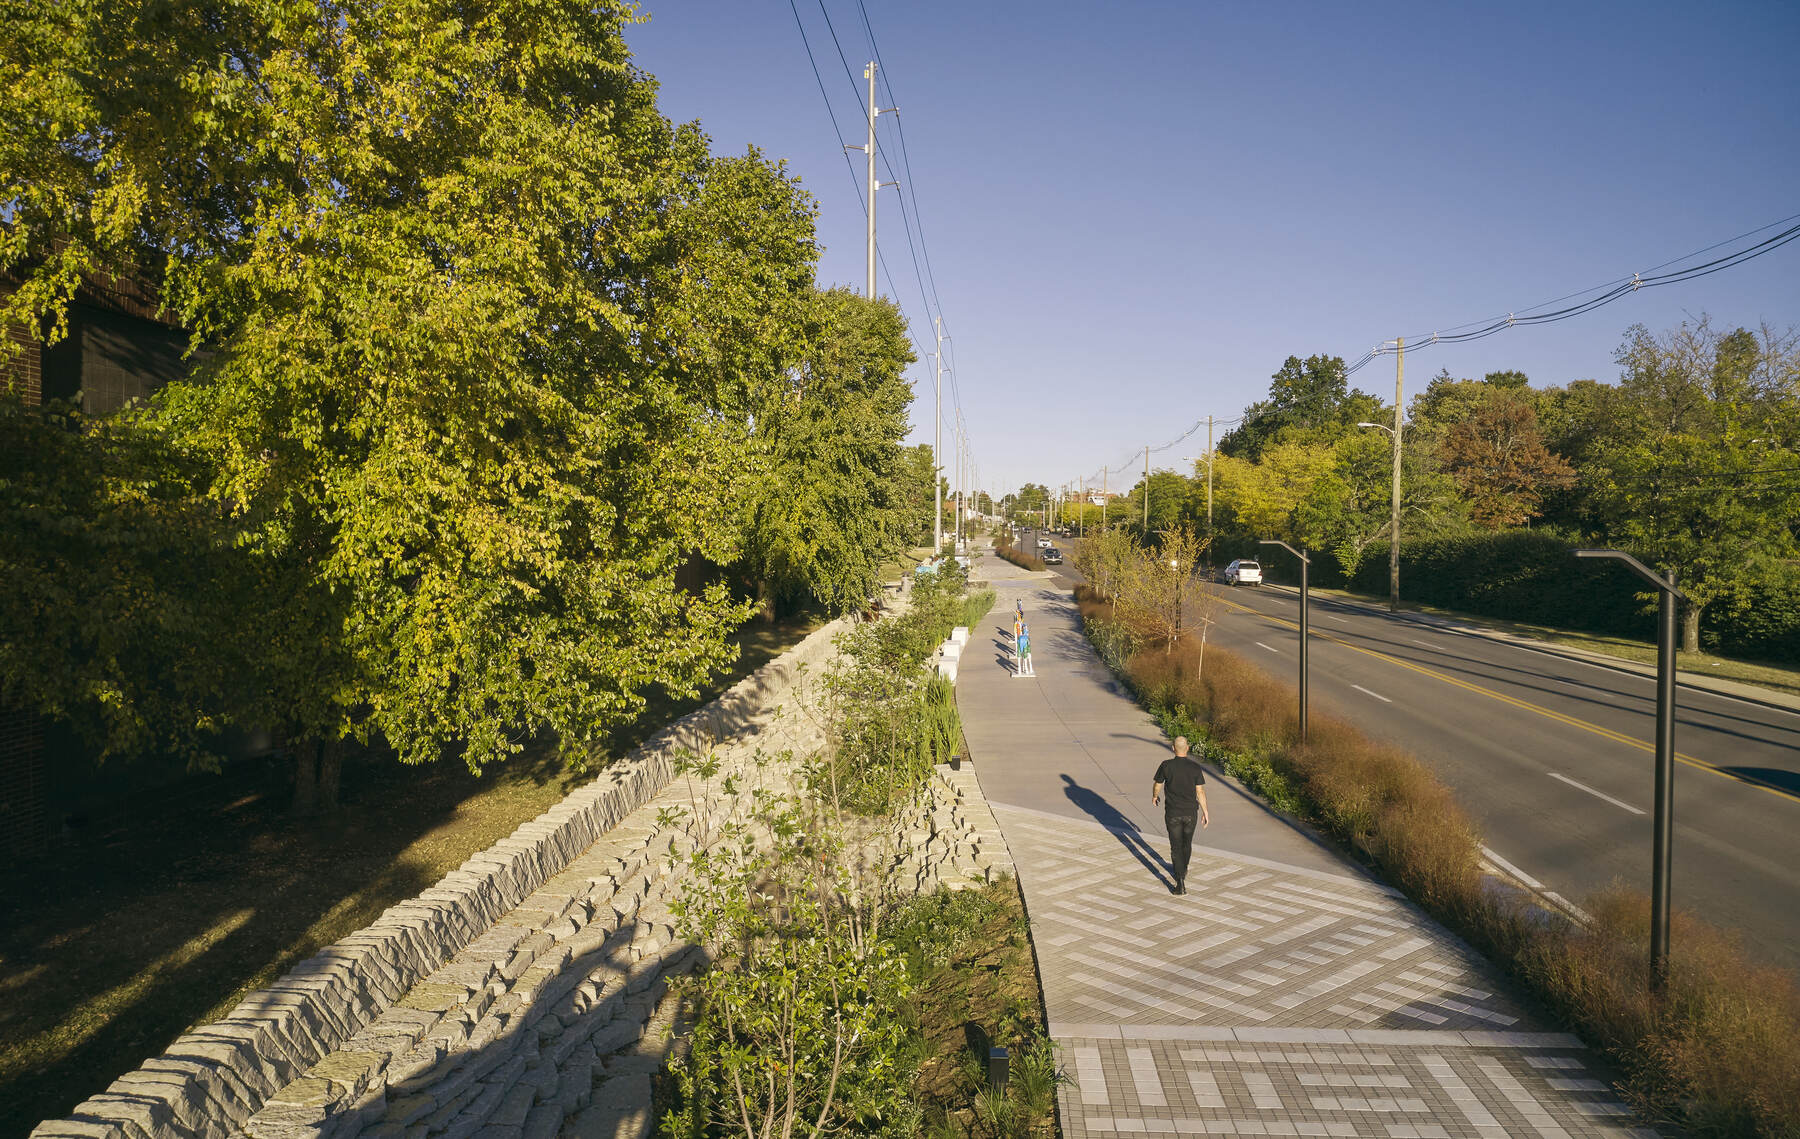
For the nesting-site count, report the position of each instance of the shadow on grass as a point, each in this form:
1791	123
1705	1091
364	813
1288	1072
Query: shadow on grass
169	903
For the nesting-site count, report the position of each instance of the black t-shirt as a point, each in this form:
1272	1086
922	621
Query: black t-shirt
1180	776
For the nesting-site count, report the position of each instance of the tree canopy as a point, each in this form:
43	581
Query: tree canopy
487	340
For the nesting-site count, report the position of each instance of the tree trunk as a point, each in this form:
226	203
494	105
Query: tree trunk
306	799
331	762
1690	628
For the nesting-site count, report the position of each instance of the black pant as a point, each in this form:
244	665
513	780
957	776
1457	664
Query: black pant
1181	842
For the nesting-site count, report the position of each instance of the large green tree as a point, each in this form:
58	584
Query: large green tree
830	505
1692	470
484	327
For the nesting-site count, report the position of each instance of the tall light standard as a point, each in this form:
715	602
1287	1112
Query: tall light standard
1664	810
1304	563
1394	514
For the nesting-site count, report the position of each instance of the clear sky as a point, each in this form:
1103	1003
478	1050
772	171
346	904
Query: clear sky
1135	211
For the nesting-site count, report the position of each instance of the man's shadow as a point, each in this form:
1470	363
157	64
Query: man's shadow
1122	828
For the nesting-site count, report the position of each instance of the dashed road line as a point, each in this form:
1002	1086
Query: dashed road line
1526	705
1579	786
1366	692
1271	648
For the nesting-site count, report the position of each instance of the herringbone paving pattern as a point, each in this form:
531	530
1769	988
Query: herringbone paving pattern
1275	1000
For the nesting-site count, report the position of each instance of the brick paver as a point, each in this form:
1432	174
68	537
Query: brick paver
1285	994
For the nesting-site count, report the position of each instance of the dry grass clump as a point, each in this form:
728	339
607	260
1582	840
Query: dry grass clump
1718	1050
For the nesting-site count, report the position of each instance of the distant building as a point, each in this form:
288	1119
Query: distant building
118	349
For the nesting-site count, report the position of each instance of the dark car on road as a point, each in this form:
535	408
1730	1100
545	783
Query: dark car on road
1051	556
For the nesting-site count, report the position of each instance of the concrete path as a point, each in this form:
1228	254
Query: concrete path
1286	994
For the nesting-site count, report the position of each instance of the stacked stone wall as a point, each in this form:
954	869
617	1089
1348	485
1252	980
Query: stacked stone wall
362	1005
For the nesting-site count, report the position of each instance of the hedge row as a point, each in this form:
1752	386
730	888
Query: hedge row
1534	577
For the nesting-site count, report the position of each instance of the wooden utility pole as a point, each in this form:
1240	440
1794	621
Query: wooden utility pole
1146	490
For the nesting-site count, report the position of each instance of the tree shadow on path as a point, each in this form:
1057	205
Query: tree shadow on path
1122	828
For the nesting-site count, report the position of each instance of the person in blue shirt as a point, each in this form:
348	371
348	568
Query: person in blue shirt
1024	652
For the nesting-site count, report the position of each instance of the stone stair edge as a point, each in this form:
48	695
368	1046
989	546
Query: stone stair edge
212	1077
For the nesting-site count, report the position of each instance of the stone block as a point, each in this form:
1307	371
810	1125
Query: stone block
544	1122
185	1100
407	1110
430	997
515	1105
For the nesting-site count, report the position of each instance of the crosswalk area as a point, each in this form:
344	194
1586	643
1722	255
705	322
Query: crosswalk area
1277	1000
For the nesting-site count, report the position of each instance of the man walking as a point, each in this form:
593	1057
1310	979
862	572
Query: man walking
1186	783
1023	650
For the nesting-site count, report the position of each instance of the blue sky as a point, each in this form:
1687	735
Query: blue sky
1135	211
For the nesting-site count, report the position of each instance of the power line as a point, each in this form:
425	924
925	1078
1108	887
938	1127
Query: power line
837	130
1605	294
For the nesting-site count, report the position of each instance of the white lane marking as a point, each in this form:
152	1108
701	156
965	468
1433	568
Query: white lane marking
1271	648
1366	692
1594	793
1417	641
1537	887
1579	914
1513	870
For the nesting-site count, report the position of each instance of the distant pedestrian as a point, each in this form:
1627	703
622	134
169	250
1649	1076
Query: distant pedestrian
1186	783
1023	649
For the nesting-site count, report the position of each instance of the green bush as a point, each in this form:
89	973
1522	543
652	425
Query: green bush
1514	575
1759	620
1533	576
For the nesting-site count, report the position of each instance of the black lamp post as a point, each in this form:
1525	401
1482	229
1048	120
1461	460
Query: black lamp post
1304	563
1664	813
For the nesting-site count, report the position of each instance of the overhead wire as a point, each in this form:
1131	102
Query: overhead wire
1600	295
857	181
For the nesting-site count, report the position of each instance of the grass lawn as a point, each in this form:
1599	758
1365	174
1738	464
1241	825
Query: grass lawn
1780	677
173	902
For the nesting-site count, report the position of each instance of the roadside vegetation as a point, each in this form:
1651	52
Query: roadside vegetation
1688	461
223	889
508	420
1718	1052
1016	554
839	1002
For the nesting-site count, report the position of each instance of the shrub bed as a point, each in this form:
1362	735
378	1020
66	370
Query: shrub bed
1022	558
1719	1049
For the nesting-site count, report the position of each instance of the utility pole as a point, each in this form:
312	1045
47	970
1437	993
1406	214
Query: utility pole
1146	490
874	184
956	489
937	446
1394	517
1103	473
1209	461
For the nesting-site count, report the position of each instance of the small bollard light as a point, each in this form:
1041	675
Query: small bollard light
955	762
997	1068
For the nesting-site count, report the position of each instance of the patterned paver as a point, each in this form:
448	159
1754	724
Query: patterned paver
1274	998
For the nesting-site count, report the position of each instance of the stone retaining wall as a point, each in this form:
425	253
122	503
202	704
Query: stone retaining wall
210	1083
950	837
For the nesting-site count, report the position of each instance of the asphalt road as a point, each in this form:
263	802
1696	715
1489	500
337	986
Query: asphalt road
1553	756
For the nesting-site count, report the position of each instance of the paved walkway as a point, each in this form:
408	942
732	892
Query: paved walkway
1286	994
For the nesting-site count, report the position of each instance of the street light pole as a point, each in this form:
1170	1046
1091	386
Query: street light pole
1305	562
1661	862
1394	517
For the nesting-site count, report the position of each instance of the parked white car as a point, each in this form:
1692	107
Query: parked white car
1243	572
1045	543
